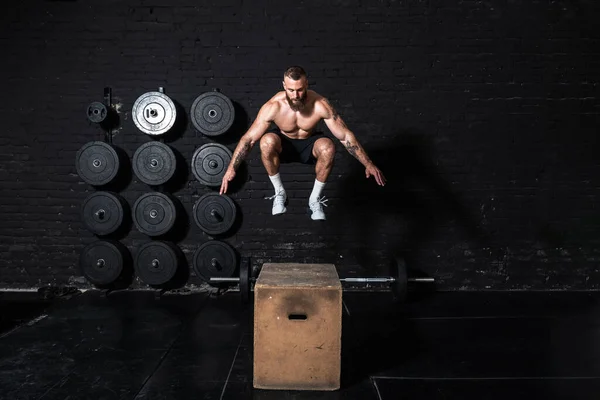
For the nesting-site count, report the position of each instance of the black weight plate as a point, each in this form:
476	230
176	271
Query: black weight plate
97	163
214	259
212	113
154	163
245	283
156	262
102	212
102	262
214	213
398	271
154	213
97	112
210	163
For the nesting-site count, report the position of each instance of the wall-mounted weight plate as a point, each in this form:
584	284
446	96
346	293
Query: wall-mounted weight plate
154	163
398	271
156	262
214	259
212	113
214	213
102	262
210	163
102	212
154	213
97	163
97	112
154	113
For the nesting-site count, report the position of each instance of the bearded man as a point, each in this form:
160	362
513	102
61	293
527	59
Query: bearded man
296	111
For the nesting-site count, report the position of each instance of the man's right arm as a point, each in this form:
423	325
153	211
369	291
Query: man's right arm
263	120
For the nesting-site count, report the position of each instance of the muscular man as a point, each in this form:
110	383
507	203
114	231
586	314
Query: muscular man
296	112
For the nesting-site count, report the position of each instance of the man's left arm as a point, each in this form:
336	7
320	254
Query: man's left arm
338	128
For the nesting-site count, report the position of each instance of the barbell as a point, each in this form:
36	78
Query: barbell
398	279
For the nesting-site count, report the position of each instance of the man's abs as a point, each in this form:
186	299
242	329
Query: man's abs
297	134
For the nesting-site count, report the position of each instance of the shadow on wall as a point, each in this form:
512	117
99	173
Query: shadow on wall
400	217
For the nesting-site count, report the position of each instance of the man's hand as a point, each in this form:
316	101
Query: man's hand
228	177
372	170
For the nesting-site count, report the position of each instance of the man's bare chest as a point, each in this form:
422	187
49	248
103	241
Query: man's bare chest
296	122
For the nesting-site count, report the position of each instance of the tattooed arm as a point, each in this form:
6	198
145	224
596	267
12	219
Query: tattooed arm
263	120
336	125
339	129
266	115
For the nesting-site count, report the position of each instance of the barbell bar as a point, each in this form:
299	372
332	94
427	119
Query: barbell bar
385	279
398	280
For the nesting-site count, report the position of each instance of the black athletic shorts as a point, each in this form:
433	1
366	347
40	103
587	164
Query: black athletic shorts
297	150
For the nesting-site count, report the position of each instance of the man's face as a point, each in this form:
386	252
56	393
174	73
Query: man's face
296	92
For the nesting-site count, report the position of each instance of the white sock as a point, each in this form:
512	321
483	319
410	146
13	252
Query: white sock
316	192
276	181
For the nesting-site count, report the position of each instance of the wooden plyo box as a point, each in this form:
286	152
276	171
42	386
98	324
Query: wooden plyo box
297	327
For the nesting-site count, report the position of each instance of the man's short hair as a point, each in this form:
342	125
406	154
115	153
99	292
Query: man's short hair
295	73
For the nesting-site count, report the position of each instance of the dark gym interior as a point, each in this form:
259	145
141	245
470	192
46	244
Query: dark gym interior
482	115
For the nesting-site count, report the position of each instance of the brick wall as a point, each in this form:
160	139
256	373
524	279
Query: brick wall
482	115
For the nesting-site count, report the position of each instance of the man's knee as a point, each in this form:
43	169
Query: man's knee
270	143
324	148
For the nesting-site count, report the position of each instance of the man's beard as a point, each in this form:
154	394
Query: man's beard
297	105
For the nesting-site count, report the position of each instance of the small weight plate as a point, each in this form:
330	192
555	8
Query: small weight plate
156	262
214	259
154	213
97	163
210	163
154	113
212	113
245	289
102	212
102	262
398	271
97	112
154	163
214	213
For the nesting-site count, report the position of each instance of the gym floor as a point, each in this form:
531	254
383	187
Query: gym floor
444	345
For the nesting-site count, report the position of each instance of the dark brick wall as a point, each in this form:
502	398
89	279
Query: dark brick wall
482	114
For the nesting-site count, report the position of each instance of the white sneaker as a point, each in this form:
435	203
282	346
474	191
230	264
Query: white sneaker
279	202
317	209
